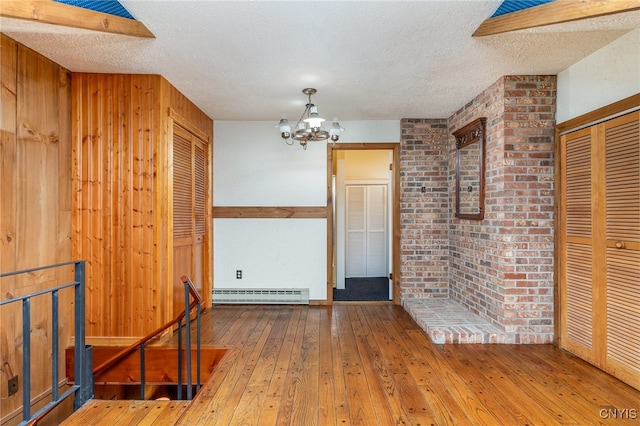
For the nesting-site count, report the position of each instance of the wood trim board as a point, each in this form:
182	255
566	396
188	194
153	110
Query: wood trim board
556	12
50	12
241	212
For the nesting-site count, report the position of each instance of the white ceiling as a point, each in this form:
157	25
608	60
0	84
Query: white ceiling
369	60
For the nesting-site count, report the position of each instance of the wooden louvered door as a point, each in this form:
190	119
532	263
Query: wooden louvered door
599	246
189	211
622	159
576	248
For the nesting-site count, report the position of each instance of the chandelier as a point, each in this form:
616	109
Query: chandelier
309	126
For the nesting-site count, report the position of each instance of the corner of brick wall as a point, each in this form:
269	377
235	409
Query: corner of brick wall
424	209
502	267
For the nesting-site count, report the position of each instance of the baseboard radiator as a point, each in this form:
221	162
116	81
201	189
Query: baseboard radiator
276	296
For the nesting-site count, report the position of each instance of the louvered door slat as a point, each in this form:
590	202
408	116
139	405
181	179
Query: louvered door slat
182	187
199	187
622	148
623	307
576	216
578	186
579	295
623	180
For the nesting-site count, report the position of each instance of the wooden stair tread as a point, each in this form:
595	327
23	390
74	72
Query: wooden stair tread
99	412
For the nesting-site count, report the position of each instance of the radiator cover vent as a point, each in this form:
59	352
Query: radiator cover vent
293	296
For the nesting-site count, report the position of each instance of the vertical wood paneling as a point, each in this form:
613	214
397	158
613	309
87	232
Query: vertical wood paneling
121	162
115	115
34	209
9	316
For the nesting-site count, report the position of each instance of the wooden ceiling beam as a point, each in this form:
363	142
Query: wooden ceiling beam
54	13
555	12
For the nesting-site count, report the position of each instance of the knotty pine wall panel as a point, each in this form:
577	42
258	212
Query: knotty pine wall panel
121	156
35	212
114	231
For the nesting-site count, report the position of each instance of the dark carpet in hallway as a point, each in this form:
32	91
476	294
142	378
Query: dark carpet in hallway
363	289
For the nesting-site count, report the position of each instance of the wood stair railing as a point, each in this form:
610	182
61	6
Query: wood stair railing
126	355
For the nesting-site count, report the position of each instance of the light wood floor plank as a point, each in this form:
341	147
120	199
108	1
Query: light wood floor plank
255	394
326	388
360	364
361	410
406	403
384	392
534	407
340	387
222	404
503	408
285	409
305	401
275	389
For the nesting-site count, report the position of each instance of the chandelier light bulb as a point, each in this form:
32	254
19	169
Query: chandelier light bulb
314	120
335	130
285	127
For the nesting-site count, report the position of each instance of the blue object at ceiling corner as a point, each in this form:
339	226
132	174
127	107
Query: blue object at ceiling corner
509	6
112	7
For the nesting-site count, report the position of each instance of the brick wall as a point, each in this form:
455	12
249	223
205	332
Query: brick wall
500	267
424	209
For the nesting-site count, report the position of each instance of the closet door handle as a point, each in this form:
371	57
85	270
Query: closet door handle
619	245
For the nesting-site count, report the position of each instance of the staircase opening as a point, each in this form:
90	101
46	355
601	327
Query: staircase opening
123	380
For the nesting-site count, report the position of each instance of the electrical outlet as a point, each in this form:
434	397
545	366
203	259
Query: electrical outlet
12	385
239	274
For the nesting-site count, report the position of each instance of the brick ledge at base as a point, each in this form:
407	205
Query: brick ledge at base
446	321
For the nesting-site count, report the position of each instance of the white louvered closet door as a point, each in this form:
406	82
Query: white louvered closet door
366	229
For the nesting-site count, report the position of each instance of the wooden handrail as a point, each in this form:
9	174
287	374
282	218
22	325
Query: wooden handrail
133	347
192	290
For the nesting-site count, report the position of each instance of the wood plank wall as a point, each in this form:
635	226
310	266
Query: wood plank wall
35	210
116	122
121	225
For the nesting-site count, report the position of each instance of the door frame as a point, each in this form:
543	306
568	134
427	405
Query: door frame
395	231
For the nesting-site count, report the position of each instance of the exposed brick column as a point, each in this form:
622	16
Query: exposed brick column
502	267
424	208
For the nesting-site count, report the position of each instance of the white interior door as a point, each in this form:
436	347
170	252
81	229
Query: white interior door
366	231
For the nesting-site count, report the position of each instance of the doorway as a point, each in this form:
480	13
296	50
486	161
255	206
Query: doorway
363	227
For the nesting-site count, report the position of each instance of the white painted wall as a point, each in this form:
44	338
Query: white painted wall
271	253
606	76
253	166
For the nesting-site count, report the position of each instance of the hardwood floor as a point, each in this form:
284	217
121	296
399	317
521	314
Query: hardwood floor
370	364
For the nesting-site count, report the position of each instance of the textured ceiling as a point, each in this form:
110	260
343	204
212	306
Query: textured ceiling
249	60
